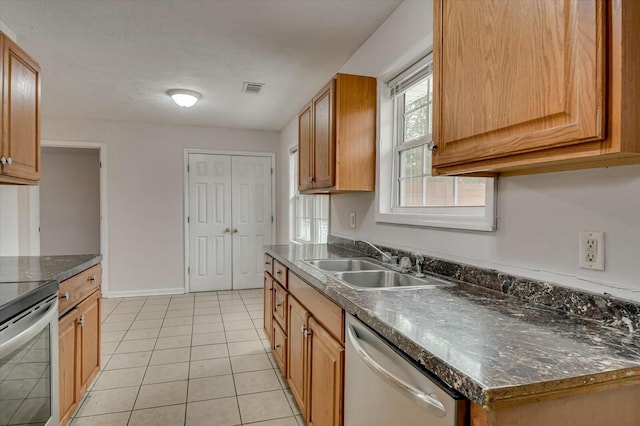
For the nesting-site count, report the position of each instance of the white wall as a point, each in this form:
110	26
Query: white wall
69	201
539	216
145	193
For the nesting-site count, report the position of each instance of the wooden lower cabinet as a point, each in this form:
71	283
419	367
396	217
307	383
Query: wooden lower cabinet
298	318
307	332
315	368
325	373
280	346
69	355
268	306
78	338
89	340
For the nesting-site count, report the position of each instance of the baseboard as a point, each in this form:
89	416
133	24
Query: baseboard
138	293
248	287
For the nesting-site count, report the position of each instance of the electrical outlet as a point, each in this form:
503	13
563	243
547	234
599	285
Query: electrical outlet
352	220
591	250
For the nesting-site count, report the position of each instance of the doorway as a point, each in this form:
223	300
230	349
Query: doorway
73	200
229	217
69	201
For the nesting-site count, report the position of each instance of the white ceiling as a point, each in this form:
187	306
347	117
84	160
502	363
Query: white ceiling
115	59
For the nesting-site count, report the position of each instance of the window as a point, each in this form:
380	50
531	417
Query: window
309	214
408	193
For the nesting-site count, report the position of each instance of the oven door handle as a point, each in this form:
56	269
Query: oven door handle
27	328
425	399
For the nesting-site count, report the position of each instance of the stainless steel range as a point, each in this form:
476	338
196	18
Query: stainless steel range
29	359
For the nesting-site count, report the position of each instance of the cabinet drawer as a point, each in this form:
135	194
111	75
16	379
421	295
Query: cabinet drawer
280	305
78	287
280	347
268	263
280	273
324	310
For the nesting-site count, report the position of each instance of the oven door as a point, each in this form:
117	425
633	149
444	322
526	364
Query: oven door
29	366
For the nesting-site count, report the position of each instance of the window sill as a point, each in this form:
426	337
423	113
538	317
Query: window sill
471	223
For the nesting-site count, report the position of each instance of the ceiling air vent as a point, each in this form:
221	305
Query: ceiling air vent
253	88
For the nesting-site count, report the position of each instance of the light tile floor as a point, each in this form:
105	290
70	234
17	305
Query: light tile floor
191	359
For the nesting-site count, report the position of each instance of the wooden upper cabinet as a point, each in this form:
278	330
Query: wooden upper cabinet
534	85
324	137
337	137
305	148
20	145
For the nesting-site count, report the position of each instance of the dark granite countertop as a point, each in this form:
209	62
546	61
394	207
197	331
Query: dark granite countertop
25	280
486	345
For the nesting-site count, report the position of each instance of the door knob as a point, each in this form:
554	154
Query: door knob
227	229
235	230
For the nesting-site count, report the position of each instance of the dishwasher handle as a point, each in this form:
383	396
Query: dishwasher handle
428	400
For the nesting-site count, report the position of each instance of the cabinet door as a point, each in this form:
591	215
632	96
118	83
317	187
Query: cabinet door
297	352
89	340
268	306
324	137
69	353
305	149
21	114
325	377
516	76
280	306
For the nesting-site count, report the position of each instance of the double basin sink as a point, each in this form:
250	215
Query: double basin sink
365	273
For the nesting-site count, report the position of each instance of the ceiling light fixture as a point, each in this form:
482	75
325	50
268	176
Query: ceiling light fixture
184	98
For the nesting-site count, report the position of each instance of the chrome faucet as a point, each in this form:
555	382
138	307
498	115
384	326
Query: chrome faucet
382	253
419	261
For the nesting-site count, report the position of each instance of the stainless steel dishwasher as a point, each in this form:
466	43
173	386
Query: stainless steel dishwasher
383	388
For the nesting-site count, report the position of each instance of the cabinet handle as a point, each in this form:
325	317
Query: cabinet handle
9	161
92	278
307	333
266	263
3	160
278	305
65	296
431	145
81	321
277	345
279	271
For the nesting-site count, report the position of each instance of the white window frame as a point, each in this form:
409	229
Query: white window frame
387	198
294	194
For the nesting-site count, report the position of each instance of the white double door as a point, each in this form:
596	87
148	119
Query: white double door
230	220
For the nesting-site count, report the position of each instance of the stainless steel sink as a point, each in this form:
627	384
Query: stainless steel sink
343	265
387	279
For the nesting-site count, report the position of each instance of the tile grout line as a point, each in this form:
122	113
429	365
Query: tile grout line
146	369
